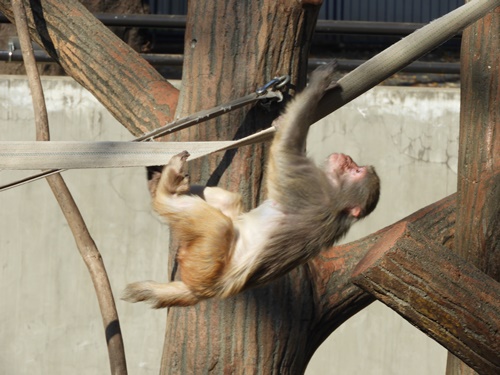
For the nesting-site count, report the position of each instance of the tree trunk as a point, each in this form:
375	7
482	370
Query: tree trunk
231	48
478	216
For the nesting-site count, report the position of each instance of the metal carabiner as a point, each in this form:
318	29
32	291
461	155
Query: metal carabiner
276	83
285	80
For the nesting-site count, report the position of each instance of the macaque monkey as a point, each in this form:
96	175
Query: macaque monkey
223	251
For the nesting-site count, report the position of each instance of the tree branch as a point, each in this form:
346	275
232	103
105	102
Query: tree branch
445	297
131	89
420	279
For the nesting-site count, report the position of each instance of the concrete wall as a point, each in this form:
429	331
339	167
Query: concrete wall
50	321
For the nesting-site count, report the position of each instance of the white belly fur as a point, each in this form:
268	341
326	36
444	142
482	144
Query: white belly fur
254	229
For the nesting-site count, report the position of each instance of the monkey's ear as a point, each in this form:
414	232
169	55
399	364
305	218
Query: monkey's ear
355	211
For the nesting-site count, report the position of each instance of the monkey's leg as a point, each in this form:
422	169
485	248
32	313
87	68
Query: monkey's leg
174	179
226	201
160	295
205	235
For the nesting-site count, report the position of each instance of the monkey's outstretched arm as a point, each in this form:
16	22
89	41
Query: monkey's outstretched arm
295	122
293	180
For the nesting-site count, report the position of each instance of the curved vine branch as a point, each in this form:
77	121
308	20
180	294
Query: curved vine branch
86	245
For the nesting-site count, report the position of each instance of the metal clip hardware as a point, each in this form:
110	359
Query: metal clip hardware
277	83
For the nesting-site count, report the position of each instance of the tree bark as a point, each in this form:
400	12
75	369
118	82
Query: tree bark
101	62
478	217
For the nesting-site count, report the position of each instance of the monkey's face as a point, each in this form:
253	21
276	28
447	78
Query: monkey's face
356	188
341	169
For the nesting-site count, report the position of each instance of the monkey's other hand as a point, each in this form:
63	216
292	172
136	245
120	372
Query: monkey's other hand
323	76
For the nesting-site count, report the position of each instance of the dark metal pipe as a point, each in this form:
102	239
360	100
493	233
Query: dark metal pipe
347	65
366	28
135	20
159	59
143	20
40	56
322	26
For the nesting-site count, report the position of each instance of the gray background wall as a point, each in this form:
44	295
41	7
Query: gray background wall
49	318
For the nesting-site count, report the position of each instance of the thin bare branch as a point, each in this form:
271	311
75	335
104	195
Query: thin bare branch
85	243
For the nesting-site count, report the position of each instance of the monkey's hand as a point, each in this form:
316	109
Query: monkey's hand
323	77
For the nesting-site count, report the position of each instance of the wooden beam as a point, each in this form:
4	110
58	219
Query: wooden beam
478	196
445	297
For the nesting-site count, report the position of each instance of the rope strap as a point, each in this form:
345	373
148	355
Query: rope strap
269	92
32	155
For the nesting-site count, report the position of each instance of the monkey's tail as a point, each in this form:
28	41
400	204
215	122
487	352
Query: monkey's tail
160	295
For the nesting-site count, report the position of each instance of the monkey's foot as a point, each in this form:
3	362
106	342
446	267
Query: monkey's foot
323	76
177	179
179	161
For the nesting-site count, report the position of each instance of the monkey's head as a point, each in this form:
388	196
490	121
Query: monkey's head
357	187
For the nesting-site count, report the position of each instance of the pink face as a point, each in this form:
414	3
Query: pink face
340	166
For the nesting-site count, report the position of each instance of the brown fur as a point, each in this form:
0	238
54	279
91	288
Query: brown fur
223	251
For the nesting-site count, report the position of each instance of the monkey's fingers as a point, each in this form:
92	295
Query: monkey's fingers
332	85
323	76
